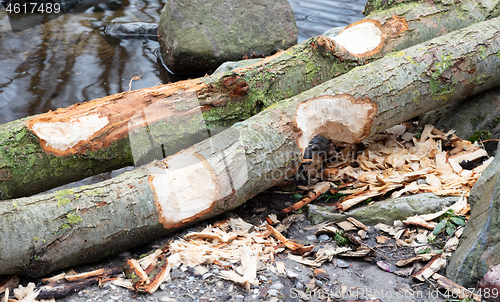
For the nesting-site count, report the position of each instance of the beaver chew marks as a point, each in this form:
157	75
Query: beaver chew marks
361	39
186	189
339	117
65	135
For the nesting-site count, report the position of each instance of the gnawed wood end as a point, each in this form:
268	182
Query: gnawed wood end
184	190
65	135
98	123
361	39
339	117
365	38
189	184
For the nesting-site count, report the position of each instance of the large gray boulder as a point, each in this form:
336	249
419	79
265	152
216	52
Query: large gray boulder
478	114
196	36
385	211
479	248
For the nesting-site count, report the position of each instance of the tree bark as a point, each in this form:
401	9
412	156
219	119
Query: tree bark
135	127
40	234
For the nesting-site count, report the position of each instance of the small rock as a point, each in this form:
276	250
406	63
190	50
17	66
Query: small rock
199	270
219	284
255	297
262	278
342	263
231	65
163	286
225	298
132	30
292	274
311	237
191	279
277	286
273	292
324	237
240	297
298	285
167	299
175	275
216	271
207	275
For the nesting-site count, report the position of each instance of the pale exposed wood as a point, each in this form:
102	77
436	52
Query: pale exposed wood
86	275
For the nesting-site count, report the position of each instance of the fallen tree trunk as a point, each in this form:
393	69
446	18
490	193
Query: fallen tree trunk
40	234
42	152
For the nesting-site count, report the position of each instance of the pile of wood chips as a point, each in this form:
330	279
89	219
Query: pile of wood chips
398	160
224	244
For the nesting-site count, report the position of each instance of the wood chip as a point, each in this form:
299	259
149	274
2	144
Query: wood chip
318	190
321	274
346	226
86	275
455	289
421	222
434	265
303	260
483	166
421	257
360	252
358	223
382	239
280	266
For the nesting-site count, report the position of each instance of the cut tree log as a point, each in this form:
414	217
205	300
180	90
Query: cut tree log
44	151
43	233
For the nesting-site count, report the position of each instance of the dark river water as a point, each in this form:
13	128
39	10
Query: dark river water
70	60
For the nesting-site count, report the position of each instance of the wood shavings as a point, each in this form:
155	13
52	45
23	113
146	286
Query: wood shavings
396	160
346	226
248	266
26	294
434	265
358	223
304	261
280	267
238	242
318	190
455	289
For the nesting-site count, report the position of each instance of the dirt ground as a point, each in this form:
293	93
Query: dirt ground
348	278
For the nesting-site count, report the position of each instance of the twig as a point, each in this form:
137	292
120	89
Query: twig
435	288
134	78
358	242
313	195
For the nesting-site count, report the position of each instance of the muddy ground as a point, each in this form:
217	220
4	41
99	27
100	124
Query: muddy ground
348	278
